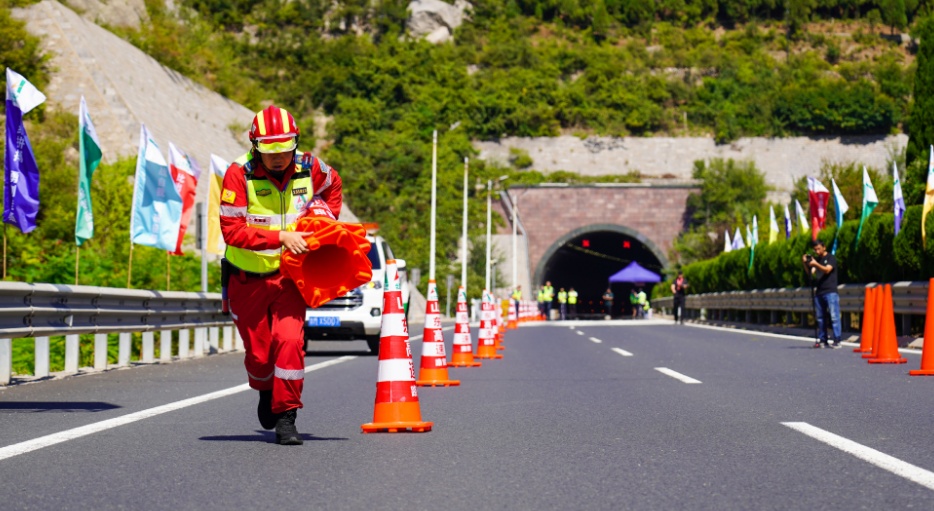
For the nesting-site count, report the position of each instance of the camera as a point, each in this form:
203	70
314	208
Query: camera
808	258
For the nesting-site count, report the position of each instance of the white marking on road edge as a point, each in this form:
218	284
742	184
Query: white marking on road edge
810	340
594	339
624	353
884	461
71	434
676	375
580	333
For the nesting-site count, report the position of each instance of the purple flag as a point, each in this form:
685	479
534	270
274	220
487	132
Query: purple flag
21	190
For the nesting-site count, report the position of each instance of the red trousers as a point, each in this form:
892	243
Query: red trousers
270	314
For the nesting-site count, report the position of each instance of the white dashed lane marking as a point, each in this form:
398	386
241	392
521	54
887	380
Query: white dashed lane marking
622	352
676	375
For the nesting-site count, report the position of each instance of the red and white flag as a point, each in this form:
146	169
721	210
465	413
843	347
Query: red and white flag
818	196
185	175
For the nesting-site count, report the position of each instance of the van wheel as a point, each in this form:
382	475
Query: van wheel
372	341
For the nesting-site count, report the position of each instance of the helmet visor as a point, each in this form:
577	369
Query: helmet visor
276	144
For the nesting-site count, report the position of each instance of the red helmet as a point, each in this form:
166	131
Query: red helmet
274	131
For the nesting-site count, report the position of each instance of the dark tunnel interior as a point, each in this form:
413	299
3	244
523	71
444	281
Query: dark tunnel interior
586	264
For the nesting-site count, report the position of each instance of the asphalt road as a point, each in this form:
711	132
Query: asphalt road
563	422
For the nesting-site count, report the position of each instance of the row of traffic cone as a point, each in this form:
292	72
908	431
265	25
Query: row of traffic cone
877	342
396	408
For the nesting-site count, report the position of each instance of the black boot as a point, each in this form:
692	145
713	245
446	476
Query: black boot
267	419
286	434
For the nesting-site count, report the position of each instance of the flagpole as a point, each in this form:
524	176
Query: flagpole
77	258
4	251
168	271
129	271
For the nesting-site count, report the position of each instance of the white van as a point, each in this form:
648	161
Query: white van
357	314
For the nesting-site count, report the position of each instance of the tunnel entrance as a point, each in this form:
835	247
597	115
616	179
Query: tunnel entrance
585	261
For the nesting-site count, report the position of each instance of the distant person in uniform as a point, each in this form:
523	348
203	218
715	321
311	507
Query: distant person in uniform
634	302
678	290
643	303
549	297
608	303
563	303
572	304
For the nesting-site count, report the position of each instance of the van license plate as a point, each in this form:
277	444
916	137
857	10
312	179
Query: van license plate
324	321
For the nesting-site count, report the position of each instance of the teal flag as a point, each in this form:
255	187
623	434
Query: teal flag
157	206
89	149
870	201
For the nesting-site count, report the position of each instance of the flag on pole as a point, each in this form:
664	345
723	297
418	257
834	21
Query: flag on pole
818	196
21	174
185	176
802	220
928	196
727	244
773	225
755	230
841	207
751	241
870	201
157	206
89	157
899	199
738	240
215	183
787	223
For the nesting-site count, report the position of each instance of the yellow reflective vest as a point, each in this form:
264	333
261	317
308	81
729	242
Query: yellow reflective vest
572	297
269	209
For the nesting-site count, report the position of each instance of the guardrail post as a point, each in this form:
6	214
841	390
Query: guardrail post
165	346
214	333
906	324
100	351
6	361
238	341
123	352
41	363
183	343
200	334
228	338
147	356
71	353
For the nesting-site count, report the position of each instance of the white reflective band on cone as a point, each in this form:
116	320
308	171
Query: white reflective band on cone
433	320
486	333
462	338
461	317
433	349
397	369
393	325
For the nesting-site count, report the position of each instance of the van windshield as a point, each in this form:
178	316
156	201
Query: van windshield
374	257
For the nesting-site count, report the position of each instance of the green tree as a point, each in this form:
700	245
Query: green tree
893	14
921	121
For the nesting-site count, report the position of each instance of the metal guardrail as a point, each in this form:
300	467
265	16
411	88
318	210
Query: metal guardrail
48	310
908	298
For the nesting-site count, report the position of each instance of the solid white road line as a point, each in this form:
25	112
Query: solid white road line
624	353
676	375
884	461
594	339
71	434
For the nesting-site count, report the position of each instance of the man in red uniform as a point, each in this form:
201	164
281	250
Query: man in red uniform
265	192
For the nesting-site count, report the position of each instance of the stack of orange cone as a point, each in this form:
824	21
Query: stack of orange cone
340	247
397	407
486	343
513	319
433	370
888	344
927	351
869	321
878	304
463	346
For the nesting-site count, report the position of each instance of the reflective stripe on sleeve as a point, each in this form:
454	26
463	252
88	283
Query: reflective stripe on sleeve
233	211
257	378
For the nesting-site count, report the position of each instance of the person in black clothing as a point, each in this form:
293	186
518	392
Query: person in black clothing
678	290
823	265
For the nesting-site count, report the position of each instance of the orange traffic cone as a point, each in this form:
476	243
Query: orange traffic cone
879	304
486	343
927	351
888	344
869	321
463	346
340	247
433	370
397	407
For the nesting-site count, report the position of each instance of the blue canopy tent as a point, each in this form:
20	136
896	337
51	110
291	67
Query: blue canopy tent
635	273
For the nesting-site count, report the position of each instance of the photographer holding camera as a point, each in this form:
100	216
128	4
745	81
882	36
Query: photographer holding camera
826	298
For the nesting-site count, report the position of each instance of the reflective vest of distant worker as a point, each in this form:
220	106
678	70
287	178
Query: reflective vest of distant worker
563	303
264	193
540	298
516	298
572	303
643	303
549	297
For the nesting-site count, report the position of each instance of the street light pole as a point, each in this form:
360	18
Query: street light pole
489	230
464	232
434	202
515	244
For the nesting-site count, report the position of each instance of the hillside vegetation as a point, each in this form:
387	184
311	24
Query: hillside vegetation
724	69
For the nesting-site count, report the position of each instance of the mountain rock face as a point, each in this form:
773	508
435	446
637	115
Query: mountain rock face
435	20
118	13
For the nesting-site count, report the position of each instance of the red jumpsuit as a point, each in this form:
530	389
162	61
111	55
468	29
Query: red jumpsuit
269	311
